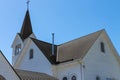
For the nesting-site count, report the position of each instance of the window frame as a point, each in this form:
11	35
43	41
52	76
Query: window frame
17	49
31	54
97	78
64	78
73	78
102	47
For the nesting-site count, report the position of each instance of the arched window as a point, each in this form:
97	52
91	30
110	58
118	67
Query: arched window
31	54
2	78
102	46
64	78
73	77
17	49
97	78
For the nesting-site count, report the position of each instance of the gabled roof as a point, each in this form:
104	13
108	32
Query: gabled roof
8	65
1	77
78	48
46	48
26	29
29	75
75	49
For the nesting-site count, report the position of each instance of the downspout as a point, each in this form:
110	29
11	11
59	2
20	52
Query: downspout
81	69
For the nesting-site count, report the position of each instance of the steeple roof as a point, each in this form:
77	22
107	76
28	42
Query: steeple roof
26	29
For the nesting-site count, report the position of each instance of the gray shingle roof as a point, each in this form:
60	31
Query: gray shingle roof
78	48
68	51
46	48
75	49
29	75
2	78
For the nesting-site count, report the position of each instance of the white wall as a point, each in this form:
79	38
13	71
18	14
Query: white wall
104	65
6	71
30	36
97	63
39	63
67	69
16	42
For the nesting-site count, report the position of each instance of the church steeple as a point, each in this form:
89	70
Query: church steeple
26	29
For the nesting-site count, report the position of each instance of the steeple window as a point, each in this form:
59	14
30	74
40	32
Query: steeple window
17	49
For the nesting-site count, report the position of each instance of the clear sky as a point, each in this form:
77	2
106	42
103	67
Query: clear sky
68	19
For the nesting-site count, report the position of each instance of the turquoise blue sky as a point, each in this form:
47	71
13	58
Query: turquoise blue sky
68	19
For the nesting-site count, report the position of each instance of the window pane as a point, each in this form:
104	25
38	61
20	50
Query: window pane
64	78
31	54
102	47
17	49
73	78
97	78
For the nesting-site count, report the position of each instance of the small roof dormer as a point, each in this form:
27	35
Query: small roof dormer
26	29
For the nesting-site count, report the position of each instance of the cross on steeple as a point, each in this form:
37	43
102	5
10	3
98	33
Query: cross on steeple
28	1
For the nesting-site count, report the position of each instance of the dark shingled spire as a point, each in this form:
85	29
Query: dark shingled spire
26	29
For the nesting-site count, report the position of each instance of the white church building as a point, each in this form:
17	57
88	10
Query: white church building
91	57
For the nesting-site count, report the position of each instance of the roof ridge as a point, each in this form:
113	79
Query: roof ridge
9	64
42	41
29	71
26	75
77	48
83	36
